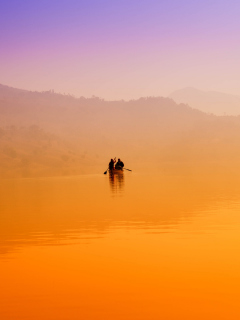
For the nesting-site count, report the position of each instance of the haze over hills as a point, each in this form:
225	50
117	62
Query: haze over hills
45	134
208	101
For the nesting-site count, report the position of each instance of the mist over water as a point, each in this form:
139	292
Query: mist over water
47	134
159	242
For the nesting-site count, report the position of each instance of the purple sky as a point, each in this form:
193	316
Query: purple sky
120	49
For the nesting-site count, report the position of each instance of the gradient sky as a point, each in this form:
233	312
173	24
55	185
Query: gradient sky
120	49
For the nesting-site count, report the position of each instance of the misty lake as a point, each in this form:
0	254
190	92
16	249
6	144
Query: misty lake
130	246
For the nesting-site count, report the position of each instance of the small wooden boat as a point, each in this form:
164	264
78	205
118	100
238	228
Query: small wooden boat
116	170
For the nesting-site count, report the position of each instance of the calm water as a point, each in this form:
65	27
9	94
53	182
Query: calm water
128	246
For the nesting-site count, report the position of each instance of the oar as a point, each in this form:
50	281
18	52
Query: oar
106	171
127	169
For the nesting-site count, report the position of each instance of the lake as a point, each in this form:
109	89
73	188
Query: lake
150	245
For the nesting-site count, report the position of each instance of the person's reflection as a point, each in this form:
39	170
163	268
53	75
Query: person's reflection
116	180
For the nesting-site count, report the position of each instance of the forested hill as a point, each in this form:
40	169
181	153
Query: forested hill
54	111
52	134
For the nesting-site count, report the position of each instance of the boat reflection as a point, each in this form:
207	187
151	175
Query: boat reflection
116	181
51	211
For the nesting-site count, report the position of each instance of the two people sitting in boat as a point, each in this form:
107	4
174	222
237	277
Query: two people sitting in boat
119	165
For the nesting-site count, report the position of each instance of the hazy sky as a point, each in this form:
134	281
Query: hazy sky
120	49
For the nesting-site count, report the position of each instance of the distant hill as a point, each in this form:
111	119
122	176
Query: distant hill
45	134
208	101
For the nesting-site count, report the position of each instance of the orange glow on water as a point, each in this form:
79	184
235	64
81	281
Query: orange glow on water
83	248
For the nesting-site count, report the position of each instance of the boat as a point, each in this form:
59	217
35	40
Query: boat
116	170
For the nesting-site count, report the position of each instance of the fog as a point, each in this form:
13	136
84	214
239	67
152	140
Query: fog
49	134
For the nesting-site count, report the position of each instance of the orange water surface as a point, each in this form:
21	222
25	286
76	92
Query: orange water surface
133	246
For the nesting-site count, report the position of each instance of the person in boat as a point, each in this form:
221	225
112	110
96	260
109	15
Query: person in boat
111	164
119	164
